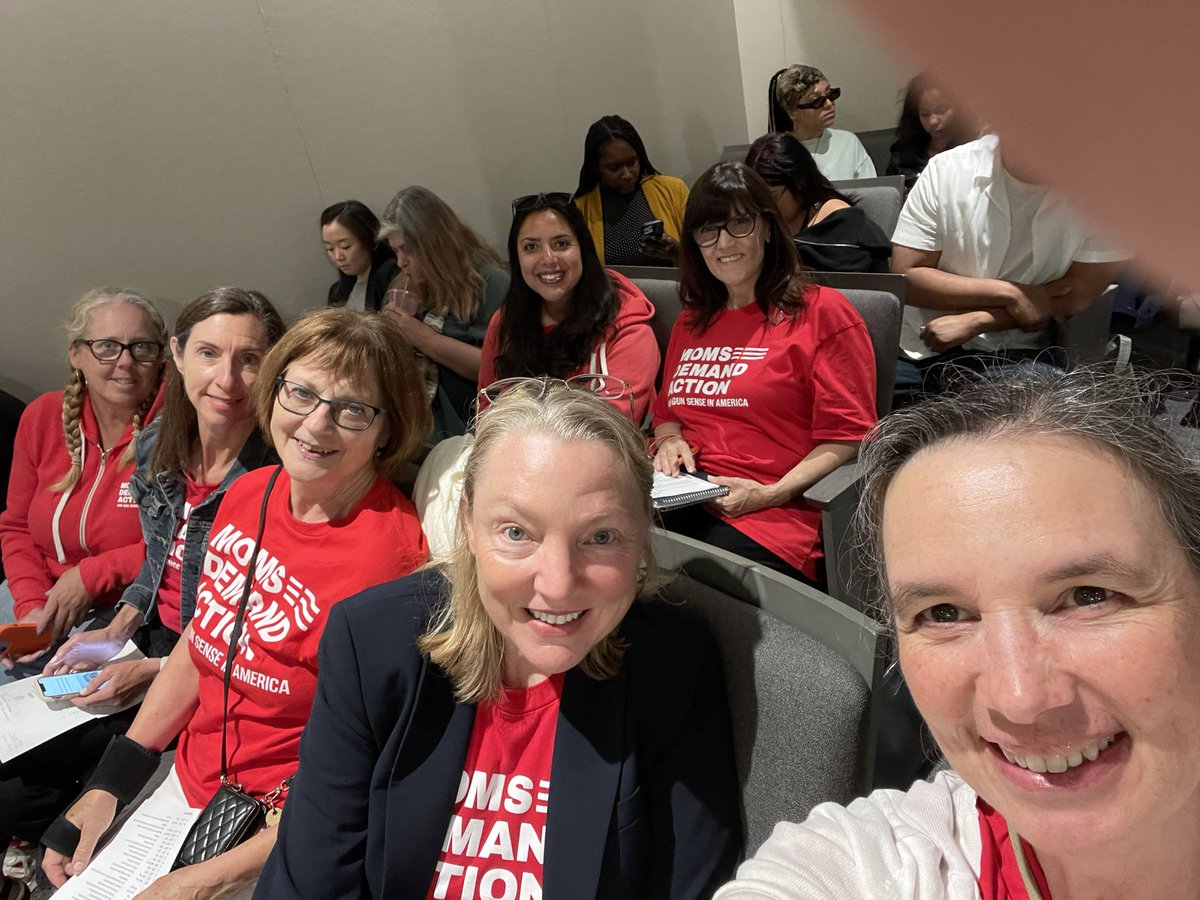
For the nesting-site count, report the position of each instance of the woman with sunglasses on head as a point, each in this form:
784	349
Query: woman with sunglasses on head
831	233
805	97
770	377
70	533
365	265
523	720
345	410
621	194
204	437
566	315
450	285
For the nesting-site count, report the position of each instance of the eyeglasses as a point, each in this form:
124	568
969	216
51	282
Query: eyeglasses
349	414
739	226
818	102
107	350
606	387
541	201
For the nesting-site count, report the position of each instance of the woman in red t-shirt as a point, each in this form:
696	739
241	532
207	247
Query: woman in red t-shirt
772	378
1035	539
565	314
70	534
340	398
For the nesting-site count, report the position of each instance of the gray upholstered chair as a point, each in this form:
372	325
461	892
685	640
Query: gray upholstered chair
802	672
881	203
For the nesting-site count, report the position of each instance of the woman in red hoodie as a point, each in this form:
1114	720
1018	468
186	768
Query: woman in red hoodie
566	315
70	534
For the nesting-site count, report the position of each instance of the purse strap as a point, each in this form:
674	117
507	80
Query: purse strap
1031	886
236	634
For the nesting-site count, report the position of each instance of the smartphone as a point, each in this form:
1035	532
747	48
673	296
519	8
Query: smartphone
21	638
652	230
55	687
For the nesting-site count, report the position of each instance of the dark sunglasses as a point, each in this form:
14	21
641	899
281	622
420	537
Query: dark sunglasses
818	102
541	201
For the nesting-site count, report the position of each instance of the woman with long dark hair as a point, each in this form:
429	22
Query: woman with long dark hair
930	122
365	265
771	379
565	314
831	233
621	195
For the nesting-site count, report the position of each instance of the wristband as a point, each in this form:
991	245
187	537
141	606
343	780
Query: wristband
62	837
124	769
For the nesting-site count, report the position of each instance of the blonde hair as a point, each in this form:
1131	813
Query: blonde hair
78	322
461	639
449	251
356	345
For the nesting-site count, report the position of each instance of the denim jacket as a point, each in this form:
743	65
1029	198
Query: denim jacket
160	506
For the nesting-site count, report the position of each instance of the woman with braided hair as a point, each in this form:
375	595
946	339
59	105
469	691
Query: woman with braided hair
70	537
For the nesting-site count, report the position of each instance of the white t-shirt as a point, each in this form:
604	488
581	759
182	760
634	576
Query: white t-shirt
986	224
919	844
840	155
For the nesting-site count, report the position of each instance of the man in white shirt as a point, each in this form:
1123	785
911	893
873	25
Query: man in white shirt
990	260
811	103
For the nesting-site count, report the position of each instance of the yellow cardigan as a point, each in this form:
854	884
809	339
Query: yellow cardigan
666	195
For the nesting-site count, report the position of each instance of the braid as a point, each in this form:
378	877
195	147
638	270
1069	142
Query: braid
72	405
138	418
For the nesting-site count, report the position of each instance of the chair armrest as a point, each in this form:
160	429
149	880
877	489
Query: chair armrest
838	488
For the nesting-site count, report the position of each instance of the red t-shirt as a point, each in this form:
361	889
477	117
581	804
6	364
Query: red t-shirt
494	845
999	877
303	569
171	583
757	396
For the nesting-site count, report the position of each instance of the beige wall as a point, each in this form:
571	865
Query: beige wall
173	146
834	38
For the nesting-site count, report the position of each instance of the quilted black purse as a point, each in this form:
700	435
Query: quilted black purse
232	816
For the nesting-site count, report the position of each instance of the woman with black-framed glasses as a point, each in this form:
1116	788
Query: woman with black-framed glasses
566	314
341	400
70	535
770	377
802	95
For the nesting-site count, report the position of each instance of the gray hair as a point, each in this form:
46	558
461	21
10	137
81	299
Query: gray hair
1112	413
461	639
794	81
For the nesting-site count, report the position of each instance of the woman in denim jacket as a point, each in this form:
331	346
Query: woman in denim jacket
203	439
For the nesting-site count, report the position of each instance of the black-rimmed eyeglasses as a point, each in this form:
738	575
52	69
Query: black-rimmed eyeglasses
353	415
108	350
818	102
541	201
739	226
606	387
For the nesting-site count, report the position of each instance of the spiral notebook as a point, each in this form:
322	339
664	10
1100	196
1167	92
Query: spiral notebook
672	492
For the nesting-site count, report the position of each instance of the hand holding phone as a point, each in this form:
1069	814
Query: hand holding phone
57	687
22	638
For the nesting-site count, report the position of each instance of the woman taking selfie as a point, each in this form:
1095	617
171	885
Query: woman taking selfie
450	286
565	314
771	379
339	398
1034	538
621	195
522	721
70	534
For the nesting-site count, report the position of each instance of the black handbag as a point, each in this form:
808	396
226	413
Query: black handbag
232	816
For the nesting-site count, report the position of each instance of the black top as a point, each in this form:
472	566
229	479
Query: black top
383	270
624	216
844	241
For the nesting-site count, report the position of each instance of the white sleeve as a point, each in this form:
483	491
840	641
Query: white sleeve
1096	249
920	222
922	844
863	166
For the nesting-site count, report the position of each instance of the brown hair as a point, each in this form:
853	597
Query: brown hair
355	345
177	428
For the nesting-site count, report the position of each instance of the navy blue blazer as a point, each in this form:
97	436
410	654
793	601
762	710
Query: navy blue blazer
644	799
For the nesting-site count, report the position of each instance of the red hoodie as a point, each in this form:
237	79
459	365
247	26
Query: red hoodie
629	350
97	528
